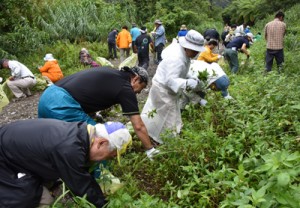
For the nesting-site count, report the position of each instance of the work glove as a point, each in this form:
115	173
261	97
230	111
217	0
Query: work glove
130	44
1	79
219	56
151	152
203	102
191	84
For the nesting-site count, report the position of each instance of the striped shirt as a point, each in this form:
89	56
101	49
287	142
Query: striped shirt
274	33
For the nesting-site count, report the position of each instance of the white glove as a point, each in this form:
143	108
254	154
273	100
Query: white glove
191	84
1	79
130	44
203	102
151	152
219	56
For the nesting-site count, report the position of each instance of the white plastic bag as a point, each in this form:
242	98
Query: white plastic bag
130	61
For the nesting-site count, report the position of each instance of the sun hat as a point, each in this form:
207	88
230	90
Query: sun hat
158	22
143	29
141	72
49	57
183	27
193	41
117	134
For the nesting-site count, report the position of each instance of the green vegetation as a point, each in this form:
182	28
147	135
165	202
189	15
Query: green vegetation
231	153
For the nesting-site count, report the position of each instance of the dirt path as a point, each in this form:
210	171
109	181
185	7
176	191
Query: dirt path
27	107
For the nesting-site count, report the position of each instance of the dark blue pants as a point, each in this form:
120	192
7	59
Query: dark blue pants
279	57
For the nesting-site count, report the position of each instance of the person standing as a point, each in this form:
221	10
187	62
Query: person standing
124	42
274	35
51	71
159	39
239	44
37	152
21	78
76	96
134	32
161	112
111	42
183	31
142	48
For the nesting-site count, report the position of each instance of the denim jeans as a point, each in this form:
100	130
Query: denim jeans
222	85
232	57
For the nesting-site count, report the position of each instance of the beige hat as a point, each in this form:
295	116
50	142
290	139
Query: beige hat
193	41
158	22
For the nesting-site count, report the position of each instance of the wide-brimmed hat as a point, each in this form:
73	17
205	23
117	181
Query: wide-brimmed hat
158	22
49	57
193	41
117	134
183	27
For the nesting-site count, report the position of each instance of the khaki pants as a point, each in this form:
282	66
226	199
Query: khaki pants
124	51
20	87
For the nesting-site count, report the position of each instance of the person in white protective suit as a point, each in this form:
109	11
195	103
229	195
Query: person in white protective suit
162	110
215	79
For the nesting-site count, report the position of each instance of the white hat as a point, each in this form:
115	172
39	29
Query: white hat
117	134
250	35
193	40
49	57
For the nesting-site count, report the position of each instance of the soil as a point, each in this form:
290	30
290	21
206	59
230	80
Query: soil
26	108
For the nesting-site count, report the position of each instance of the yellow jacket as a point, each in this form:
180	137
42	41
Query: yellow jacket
124	39
52	70
208	56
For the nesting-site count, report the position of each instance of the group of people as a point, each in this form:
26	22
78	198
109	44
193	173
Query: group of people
239	38
139	41
67	140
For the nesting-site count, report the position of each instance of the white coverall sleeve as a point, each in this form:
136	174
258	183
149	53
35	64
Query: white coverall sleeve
176	78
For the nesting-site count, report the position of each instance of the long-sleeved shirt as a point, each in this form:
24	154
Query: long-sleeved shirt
19	70
160	36
274	34
208	56
124	39
52	70
49	149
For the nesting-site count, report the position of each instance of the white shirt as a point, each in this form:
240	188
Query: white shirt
214	70
19	70
173	69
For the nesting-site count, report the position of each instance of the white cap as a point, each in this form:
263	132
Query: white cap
193	41
250	35
117	134
49	57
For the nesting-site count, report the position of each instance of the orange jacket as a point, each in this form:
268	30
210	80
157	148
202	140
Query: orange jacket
52	70
124	39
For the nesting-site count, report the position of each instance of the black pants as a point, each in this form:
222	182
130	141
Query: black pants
143	61
24	192
112	48
158	49
279	57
